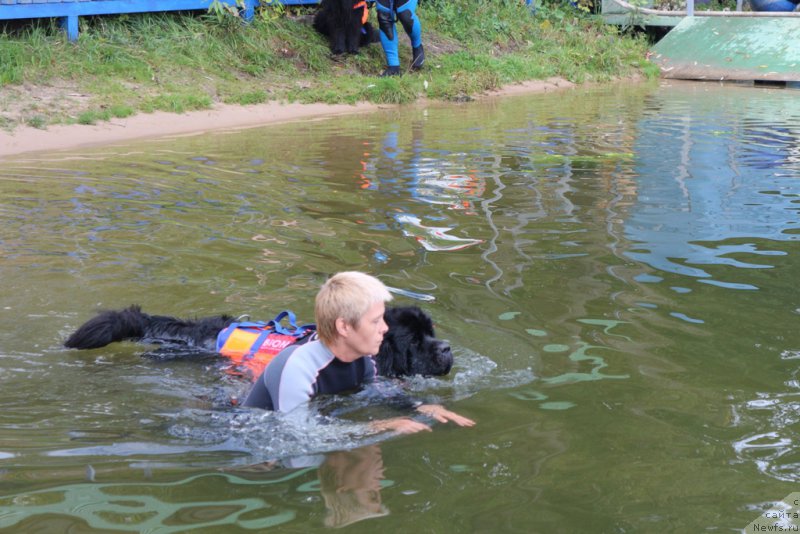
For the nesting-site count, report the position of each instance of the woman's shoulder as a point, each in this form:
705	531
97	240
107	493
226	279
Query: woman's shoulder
312	354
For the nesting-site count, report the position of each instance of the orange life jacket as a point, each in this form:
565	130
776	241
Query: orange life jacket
252	345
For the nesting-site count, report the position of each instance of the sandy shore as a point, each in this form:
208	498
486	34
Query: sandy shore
221	117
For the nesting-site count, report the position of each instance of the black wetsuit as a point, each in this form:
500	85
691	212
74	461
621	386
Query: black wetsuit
301	372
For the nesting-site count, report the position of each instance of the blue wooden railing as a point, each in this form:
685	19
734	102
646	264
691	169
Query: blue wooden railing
68	11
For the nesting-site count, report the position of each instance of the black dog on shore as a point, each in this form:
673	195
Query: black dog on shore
409	347
344	23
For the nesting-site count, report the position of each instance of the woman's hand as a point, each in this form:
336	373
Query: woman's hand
401	425
443	415
406	425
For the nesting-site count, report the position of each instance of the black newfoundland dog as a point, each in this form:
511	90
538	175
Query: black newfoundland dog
409	347
344	23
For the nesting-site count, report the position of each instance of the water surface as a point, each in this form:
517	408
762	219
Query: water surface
614	268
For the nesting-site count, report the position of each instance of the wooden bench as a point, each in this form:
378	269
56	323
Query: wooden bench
68	11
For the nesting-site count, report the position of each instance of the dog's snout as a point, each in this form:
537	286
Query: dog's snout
445	357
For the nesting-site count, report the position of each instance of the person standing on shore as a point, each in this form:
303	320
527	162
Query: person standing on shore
389	11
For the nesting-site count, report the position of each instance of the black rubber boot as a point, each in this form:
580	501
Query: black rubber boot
419	58
391	71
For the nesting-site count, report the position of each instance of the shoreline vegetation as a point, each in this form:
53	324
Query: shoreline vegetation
149	75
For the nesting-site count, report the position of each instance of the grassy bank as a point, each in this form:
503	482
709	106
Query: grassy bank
178	62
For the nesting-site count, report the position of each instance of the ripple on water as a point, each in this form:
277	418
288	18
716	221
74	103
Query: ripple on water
774	447
269	436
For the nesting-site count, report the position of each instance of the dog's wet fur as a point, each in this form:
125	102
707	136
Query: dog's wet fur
409	347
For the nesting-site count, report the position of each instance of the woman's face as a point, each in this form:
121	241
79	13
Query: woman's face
366	337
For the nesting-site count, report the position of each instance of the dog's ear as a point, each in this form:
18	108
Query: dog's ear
392	358
412	318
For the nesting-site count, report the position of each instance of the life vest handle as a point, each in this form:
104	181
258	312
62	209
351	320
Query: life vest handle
279	328
274	324
299	333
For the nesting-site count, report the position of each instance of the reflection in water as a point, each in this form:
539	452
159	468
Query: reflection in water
723	184
143	507
350	483
433	239
424	174
596	362
717	198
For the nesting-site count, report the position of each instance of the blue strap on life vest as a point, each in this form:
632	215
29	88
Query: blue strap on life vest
257	344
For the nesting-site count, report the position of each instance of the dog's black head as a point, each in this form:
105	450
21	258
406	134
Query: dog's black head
410	346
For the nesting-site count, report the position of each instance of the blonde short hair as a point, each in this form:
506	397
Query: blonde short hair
348	295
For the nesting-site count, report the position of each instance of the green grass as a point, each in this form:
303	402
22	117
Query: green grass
179	62
92	116
36	121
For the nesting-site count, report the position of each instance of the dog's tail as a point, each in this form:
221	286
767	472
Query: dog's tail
108	327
